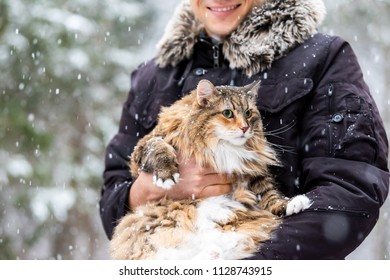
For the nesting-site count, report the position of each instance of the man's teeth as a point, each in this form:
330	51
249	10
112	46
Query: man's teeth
224	9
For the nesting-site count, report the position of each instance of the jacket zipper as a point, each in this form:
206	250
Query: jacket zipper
330	110
216	56
215	47
339	211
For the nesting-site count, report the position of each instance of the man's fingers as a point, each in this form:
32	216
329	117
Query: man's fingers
214	190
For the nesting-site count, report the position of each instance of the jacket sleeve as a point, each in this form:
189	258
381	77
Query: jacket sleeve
344	168
117	178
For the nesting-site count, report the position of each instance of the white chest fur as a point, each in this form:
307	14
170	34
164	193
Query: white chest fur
231	158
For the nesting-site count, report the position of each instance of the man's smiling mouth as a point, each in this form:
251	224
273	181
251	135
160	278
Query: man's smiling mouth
224	9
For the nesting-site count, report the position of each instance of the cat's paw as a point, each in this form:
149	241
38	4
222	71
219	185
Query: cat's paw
216	209
222	216
166	183
298	204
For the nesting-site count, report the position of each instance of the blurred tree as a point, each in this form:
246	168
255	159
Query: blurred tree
64	65
3	16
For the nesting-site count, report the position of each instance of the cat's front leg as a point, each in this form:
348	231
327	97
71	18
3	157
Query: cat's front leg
160	159
272	200
283	206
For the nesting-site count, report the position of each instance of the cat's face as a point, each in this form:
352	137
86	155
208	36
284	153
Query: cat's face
233	114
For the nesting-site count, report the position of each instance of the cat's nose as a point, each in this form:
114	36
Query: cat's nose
244	128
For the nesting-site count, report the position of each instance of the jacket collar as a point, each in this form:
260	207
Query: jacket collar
269	32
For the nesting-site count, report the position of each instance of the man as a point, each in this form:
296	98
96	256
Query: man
315	105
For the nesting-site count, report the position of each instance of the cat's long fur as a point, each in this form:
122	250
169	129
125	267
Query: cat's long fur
220	127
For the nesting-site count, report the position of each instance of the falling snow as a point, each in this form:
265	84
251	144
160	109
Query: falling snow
65	73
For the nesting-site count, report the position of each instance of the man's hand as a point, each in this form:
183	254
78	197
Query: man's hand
194	182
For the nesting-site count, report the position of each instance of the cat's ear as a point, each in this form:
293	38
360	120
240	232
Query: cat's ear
253	89
204	90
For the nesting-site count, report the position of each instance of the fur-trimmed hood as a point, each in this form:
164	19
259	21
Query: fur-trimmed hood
269	32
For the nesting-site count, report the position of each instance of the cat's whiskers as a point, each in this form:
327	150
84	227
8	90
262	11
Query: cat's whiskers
280	130
276	134
282	148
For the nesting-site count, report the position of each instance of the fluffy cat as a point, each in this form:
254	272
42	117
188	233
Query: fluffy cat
226	126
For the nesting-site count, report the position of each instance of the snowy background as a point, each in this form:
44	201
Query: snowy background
64	73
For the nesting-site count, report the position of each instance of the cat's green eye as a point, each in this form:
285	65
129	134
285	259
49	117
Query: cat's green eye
228	114
248	114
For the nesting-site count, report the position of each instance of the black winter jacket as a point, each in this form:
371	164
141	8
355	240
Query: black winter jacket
318	113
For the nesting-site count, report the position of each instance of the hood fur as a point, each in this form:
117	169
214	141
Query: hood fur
269	32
